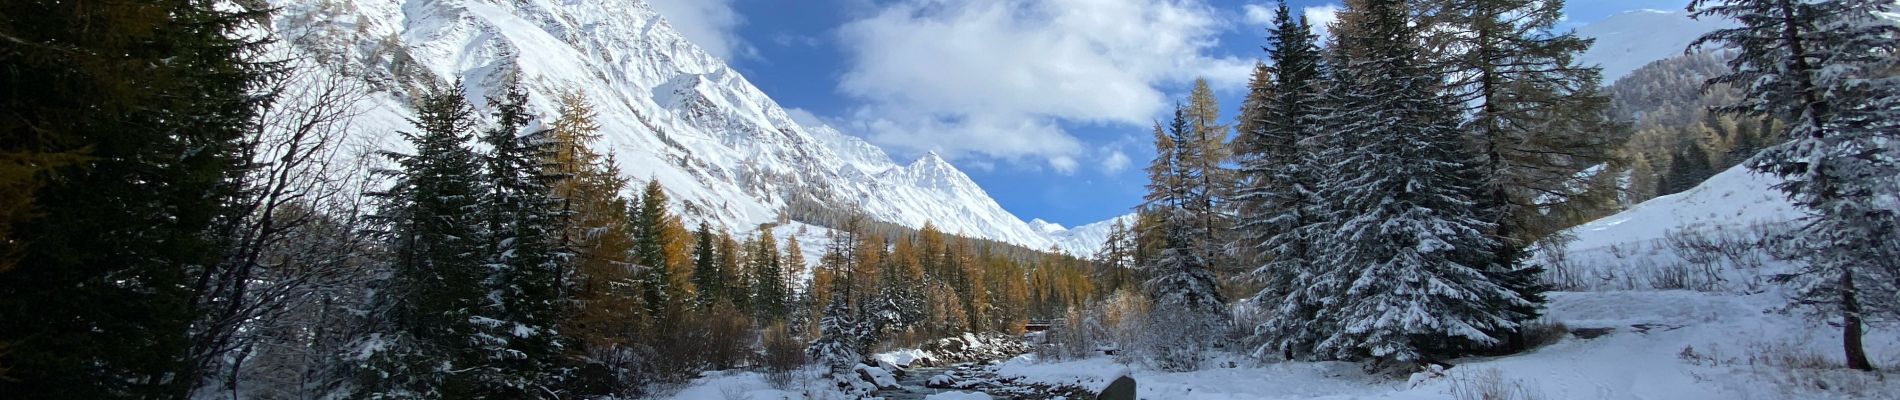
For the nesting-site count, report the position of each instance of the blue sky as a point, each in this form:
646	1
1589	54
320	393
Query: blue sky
1045	103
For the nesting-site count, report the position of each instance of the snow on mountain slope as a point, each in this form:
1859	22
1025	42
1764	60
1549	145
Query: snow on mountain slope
1085	240
724	150
1733	199
1670	242
1629	40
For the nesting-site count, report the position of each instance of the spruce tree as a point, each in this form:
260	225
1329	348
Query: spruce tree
1405	274
120	150
770	295
1826	68
1688	168
525	266
734	285
1189	314
836	344
651	233
1279	175
425	337
1534	112
706	276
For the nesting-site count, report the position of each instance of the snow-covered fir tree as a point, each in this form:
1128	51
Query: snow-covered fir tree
1537	116
836	346
771	295
1280	212
1189	315
525	267
1406	276
422	341
1827	68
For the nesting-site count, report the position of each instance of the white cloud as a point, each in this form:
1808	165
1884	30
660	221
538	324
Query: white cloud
795	40
711	24
1258	14
997	78
1116	162
1322	18
1064	164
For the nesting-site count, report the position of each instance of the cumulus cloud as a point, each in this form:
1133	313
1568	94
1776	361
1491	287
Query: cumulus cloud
1322	18
1258	14
711	24
999	78
1115	162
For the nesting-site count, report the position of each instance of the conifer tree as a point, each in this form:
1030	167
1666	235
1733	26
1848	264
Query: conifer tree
1189	312
526	267
1826	67
733	283
1405	275
1279	174
426	337
1688	168
1116	260
1535	113
794	262
1203	156
651	223
770	295
120	151
706	276
837	334
598	233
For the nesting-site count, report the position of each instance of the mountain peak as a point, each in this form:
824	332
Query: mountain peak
932	158
932	171
1046	227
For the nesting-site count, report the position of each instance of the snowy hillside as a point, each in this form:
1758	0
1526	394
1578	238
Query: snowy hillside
1711	237
1085	240
724	150
1627	41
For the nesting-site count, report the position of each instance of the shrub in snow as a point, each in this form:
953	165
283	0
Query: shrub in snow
1489	384
780	354
1543	333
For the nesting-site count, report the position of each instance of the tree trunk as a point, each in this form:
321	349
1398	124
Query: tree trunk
1851	325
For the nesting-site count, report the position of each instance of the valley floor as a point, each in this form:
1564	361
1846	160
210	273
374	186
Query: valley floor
1658	345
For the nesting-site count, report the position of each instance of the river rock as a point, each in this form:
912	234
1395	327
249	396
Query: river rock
877	377
941	381
1122	388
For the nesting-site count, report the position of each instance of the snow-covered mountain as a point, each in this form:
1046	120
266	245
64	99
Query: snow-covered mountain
724	150
1085	240
1629	40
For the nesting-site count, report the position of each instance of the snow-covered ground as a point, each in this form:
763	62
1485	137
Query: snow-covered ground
1662	345
1729	340
746	385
